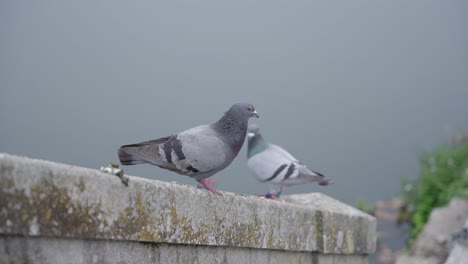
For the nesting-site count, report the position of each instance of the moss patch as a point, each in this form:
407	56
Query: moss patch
53	212
50	208
319	230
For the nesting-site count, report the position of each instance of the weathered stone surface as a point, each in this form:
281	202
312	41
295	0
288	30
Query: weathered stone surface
41	198
336	222
459	254
59	251
56	213
405	259
459	251
435	239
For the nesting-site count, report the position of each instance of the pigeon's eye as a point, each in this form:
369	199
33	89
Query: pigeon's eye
250	109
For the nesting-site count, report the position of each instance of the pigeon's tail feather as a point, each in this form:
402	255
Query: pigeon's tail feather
140	153
127	158
325	182
318	178
318	173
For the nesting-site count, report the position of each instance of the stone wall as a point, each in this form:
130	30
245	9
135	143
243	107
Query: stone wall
57	213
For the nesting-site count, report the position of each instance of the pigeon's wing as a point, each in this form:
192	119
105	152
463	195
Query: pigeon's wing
195	151
198	150
275	165
272	166
304	174
282	152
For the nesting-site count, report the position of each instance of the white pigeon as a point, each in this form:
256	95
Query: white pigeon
198	152
272	164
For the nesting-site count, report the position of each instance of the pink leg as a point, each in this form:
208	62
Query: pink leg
208	184
270	195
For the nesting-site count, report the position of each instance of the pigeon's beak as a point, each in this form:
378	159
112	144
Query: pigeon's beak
255	114
250	134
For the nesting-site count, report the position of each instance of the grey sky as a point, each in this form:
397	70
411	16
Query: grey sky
353	88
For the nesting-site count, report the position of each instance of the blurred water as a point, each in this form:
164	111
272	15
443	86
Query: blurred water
353	89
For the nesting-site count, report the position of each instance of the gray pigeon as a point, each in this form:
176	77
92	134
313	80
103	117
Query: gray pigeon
198	152
272	164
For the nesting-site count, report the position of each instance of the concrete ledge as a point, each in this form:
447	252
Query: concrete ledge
44	250
46	199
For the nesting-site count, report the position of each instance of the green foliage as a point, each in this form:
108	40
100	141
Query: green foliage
444	175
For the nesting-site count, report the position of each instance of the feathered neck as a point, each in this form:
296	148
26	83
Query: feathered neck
256	144
233	129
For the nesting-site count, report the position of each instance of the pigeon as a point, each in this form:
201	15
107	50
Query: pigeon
272	164
198	152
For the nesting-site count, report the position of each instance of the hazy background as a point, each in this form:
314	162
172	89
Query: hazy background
354	89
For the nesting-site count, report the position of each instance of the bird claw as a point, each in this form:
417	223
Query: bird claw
270	195
209	184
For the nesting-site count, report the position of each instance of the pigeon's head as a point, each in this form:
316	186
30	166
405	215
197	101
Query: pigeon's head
253	130
245	110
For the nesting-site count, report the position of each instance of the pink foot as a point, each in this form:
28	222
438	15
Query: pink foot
208	184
